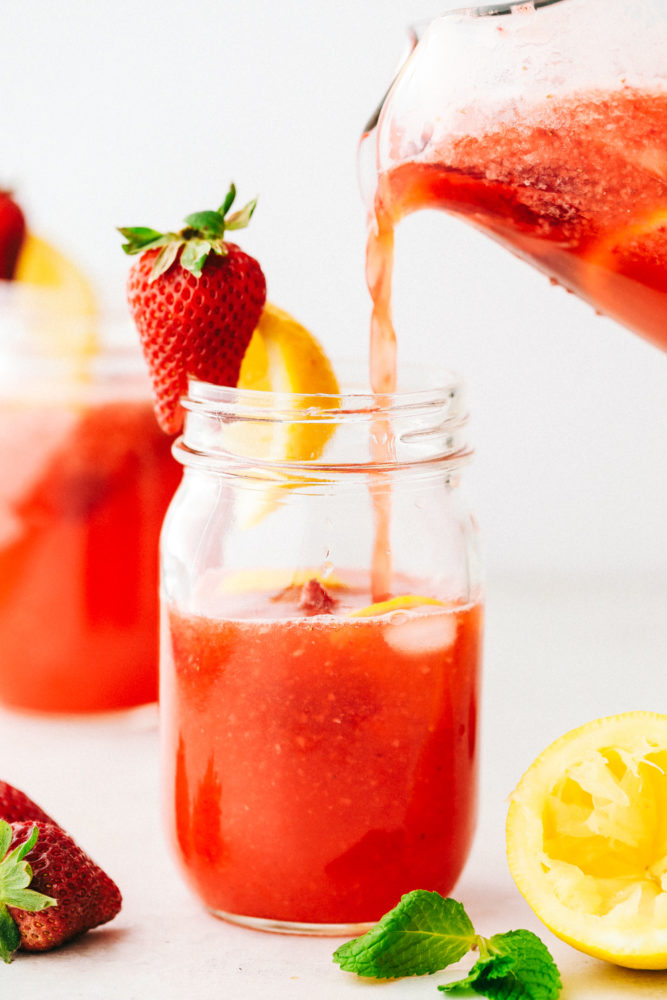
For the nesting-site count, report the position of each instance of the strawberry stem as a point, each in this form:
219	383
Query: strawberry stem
202	235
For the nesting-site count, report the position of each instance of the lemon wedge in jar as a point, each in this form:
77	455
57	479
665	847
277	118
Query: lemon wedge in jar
64	310
283	356
404	603
587	839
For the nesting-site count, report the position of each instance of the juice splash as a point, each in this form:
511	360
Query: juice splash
576	186
319	796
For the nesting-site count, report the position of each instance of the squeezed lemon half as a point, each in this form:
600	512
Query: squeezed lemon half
587	839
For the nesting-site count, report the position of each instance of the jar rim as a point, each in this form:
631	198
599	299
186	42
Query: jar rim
352	400
352	431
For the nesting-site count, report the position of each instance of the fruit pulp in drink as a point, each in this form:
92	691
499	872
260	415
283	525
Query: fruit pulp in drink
83	491
576	186
319	766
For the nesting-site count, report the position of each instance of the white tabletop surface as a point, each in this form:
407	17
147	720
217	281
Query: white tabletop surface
557	654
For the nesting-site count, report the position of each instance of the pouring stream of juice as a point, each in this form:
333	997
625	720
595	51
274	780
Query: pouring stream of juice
575	184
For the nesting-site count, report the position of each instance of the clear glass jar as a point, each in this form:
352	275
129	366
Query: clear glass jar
319	740
85	480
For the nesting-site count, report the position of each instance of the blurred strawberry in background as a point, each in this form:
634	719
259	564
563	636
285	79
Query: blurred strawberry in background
12	233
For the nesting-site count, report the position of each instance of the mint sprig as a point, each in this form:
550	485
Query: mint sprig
15	877
512	966
425	933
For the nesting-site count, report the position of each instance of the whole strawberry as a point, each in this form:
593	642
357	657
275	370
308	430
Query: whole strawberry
12	232
15	805
195	300
68	892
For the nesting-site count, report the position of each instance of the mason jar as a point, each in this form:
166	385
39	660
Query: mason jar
320	653
85	480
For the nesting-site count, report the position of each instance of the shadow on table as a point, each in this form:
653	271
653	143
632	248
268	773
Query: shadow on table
634	982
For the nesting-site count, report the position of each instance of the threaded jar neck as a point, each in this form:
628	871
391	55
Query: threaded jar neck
354	431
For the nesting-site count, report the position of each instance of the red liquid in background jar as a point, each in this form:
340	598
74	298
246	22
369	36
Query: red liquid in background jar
83	492
319	766
578	189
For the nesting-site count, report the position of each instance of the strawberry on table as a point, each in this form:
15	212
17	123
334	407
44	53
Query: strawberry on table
195	300
12	234
67	895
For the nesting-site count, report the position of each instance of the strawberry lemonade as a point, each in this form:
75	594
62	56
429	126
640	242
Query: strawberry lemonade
86	479
324	760
537	188
321	605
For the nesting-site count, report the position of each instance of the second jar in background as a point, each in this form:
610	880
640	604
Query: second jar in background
85	479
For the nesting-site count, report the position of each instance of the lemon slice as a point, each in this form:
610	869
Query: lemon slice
282	357
587	839
67	325
619	241
403	603
635	251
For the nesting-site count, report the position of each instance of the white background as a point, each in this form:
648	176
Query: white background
115	112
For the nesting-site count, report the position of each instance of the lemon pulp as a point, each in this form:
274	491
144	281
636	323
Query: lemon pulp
587	838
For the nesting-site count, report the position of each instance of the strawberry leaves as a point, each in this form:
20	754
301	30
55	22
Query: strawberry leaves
202	235
15	877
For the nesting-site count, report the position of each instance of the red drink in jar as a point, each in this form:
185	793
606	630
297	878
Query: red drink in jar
319	742
321	764
85	479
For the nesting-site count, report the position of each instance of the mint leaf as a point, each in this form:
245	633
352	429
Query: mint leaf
512	966
484	969
424	933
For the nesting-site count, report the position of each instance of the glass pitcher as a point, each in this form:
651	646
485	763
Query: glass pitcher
543	124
